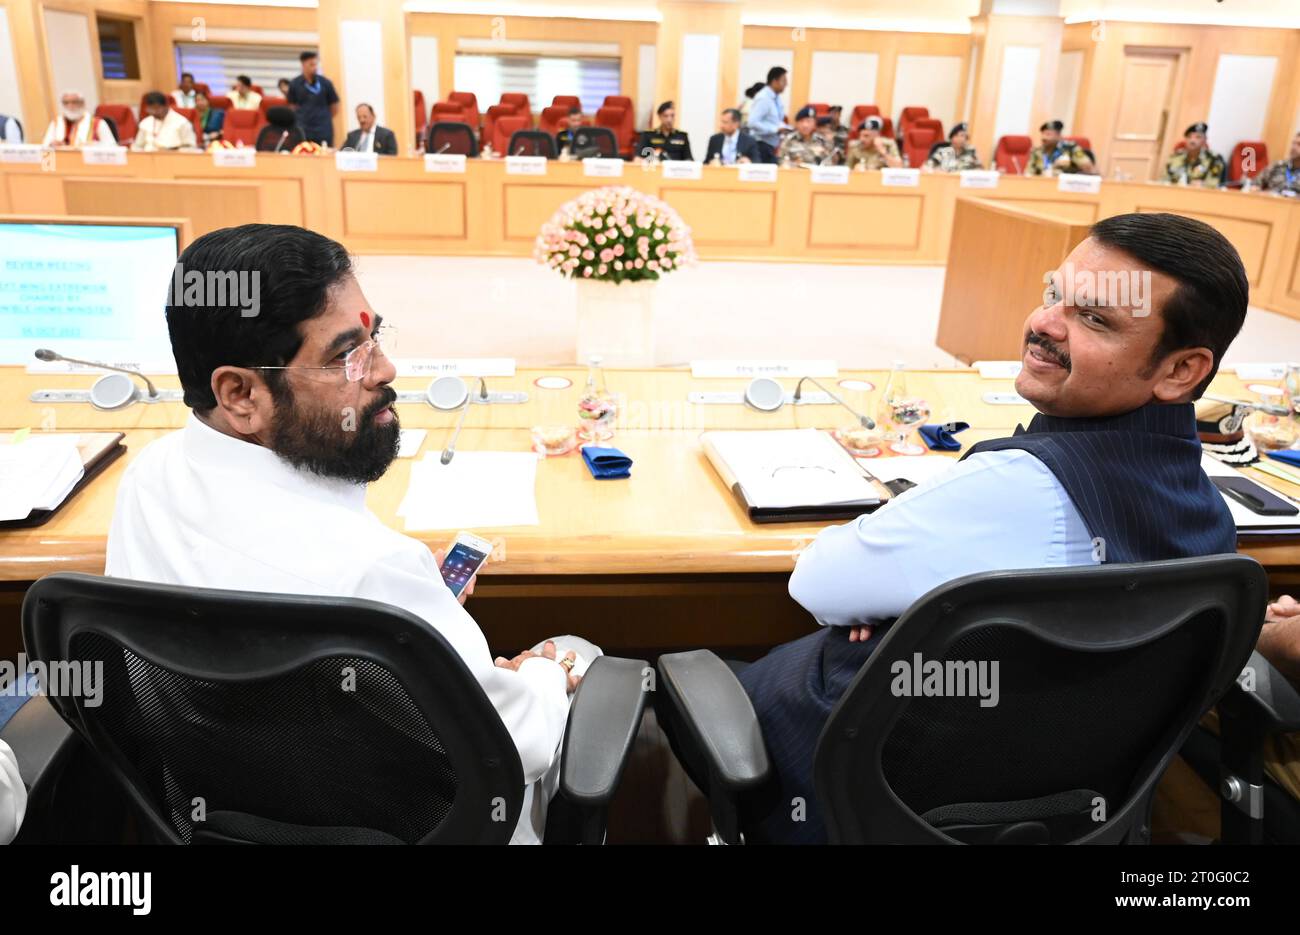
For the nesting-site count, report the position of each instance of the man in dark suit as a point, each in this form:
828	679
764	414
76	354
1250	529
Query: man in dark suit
733	144
369	138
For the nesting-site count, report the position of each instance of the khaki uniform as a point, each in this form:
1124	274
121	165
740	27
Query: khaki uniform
1065	157
869	156
947	159
1281	176
1207	168
812	151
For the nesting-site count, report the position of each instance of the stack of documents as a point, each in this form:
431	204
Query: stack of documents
37	473
478	489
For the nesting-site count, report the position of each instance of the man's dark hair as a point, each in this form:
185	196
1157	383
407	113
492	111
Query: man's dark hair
1052	125
753	89
366	106
574	109
666	105
244	80
154	98
734	114
775	72
187	74
1209	306
296	268
307	55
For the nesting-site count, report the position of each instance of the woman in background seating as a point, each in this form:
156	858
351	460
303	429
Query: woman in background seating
956	155
211	119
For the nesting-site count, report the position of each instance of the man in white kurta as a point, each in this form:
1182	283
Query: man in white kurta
164	128
262	491
74	127
13	795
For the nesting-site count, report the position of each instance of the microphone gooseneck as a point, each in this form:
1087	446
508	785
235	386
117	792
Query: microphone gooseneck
450	451
866	421
49	356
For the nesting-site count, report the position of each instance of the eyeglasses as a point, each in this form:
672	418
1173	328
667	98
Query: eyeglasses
357	362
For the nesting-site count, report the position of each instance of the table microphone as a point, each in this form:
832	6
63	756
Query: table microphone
443	148
450	451
49	356
866	421
283	136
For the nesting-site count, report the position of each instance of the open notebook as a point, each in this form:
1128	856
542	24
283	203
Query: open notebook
794	475
42	471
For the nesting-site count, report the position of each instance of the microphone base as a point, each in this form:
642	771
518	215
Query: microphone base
509	398
83	396
738	399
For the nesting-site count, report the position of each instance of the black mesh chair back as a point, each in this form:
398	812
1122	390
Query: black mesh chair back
272	138
448	136
593	142
532	143
233	716
1101	673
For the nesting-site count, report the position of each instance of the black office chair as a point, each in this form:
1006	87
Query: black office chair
766	152
594	142
531	143
281	134
239	717
451	137
1103	672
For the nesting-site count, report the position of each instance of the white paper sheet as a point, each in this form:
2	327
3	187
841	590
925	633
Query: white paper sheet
37	474
479	489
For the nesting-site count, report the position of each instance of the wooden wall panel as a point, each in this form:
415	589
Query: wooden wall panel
872	222
403	209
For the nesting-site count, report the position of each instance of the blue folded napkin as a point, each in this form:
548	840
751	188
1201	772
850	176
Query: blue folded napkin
1286	456
940	437
606	463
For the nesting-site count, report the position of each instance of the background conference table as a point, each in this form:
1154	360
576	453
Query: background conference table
672	536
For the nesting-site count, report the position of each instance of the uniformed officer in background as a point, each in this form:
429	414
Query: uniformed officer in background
1283	176
1056	156
956	155
666	141
564	139
1195	164
871	150
805	146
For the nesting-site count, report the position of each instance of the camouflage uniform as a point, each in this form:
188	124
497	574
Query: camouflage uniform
812	151
947	159
869	156
1208	168
1066	157
1280	177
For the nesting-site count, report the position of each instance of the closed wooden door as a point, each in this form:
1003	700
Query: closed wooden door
1148	86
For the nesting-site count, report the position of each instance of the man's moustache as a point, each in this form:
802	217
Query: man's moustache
1060	356
389	397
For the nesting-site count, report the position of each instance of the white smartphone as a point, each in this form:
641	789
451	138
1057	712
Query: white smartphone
464	558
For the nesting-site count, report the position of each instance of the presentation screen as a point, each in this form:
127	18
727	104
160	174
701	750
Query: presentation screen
94	291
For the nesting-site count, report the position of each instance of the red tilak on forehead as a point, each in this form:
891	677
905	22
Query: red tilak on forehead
365	319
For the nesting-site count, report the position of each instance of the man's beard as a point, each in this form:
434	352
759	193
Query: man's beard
72	116
317	441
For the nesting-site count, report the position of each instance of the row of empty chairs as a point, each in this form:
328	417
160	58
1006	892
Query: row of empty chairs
514	112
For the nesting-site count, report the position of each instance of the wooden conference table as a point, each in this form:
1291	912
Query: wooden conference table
671	536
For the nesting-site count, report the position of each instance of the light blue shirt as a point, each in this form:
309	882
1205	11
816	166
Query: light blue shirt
766	116
729	148
995	510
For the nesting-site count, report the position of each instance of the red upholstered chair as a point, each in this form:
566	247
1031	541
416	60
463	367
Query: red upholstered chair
613	119
469	103
421	116
269	102
123	117
1012	154
887	128
1081	140
553	119
242	126
1256	150
821	109
861	112
207	91
908	115
928	123
504	128
192	115
221	102
494	113
522	107
566	101
448	110
627	136
140	114
258	89
916	145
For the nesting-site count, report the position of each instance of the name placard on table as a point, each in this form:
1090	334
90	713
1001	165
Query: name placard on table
830	175
682	170
708	369
1078	183
756	172
356	162
900	178
453	163
979	178
603	168
243	157
21	152
455	367
103	155
1261	371
525	165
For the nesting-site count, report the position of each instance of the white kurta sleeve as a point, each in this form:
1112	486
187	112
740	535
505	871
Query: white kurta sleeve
13	795
103	134
533	703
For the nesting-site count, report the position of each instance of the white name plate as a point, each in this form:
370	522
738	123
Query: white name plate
708	369
150	367
830	175
900	178
756	172
602	168
103	155
525	165
979	178
1079	184
683	170
21	152
999	369
244	157
456	367
356	162
1258	371
453	163
1005	399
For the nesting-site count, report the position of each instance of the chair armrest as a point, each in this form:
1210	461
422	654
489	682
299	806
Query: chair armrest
1274	702
603	723
718	718
40	739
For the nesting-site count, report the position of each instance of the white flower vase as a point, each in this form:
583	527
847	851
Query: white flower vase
616	322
